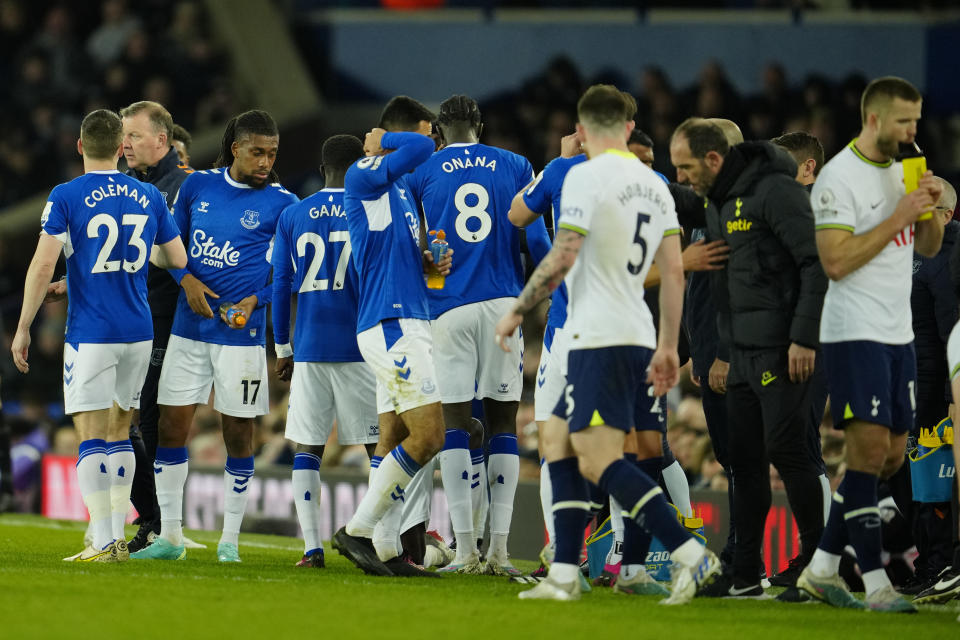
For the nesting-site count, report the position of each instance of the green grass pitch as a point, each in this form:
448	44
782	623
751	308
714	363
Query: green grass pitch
266	597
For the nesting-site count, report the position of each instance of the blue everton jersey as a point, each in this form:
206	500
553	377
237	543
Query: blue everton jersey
539	197
311	256
385	229
466	190
227	228
108	223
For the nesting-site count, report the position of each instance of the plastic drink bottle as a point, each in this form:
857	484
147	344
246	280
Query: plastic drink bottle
438	247
914	166
236	318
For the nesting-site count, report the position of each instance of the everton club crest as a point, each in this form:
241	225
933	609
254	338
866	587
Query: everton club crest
250	219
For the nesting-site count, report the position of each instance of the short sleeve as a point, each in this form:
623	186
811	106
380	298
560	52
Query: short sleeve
537	196
833	205
671	222
53	220
578	199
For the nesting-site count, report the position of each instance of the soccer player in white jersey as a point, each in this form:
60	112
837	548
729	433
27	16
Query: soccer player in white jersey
867	231
108	225
228	215
620	216
393	330
465	189
330	380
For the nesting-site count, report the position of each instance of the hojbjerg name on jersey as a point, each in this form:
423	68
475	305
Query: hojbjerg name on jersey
113	190
212	254
645	192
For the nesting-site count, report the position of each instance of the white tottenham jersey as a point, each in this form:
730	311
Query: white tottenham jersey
872	303
624	209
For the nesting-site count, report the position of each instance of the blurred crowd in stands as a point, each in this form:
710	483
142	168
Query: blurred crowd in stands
60	60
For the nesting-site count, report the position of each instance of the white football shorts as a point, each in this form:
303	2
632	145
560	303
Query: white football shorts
237	374
322	391
551	375
97	375
469	362
400	352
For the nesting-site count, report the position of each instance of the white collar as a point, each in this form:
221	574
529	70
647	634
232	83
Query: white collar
232	182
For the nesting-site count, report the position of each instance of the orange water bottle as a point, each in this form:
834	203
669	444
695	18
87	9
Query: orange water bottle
235	318
914	166
438	247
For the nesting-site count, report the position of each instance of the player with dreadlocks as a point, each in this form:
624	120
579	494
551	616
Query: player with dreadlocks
227	217
465	189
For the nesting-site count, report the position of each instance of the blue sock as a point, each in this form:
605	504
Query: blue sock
306	461
597	499
862	517
835	536
636	539
171	455
456	439
643	502
570	507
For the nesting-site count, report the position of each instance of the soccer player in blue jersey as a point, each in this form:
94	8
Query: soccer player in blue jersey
108	225
228	216
465	189
329	379
542	198
393	329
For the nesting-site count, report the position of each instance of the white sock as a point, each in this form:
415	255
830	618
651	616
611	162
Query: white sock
386	534
564	573
479	493
630	571
94	480
306	498
455	470
122	464
678	488
546	501
875	580
236	484
170	475
827	496
503	472
388	486
616	523
689	554
824	564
